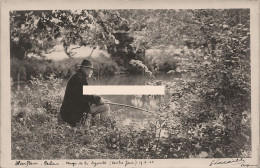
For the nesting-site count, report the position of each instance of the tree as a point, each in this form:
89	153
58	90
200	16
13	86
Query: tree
160	27
31	32
38	31
123	51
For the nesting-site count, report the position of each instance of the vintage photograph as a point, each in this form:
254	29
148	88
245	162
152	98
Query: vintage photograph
201	56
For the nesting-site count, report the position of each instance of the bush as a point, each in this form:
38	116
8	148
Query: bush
105	67
33	67
40	95
162	60
167	66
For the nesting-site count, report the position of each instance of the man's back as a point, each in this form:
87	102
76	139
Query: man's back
75	103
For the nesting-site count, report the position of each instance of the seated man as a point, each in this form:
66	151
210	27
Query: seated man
75	104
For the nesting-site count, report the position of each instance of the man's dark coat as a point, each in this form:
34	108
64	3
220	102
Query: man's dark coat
75	103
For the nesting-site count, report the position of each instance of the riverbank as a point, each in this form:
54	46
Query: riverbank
25	69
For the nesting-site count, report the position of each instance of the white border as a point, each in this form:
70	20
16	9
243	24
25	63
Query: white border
6	6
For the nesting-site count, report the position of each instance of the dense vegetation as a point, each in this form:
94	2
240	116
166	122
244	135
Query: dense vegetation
61	69
213	119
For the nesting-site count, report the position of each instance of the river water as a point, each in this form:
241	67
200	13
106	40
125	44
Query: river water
140	101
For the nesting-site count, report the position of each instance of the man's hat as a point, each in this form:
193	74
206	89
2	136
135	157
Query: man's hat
87	64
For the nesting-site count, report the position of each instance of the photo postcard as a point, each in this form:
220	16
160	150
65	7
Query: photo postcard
130	83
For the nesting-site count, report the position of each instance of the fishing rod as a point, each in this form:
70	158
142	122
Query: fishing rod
125	105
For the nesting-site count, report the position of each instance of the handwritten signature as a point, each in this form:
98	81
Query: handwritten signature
218	162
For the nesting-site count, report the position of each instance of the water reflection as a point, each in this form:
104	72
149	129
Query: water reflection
141	101
145	102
